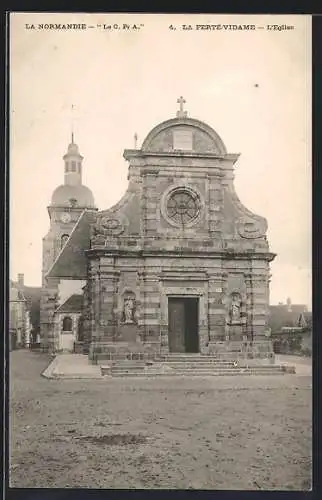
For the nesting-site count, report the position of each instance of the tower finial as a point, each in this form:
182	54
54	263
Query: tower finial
135	140
181	114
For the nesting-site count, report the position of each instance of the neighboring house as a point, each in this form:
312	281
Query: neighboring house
291	328
32	296
28	329
68	323
283	315
24	323
19	319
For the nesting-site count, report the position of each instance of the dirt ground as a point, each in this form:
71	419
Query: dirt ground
238	432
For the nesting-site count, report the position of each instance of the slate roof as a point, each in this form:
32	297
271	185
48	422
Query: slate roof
31	294
71	262
305	319
80	193
72	304
287	315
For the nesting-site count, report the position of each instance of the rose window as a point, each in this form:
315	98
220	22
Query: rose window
183	206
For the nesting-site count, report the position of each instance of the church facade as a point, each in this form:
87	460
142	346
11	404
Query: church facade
178	264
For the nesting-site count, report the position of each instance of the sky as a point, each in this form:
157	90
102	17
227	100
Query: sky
252	86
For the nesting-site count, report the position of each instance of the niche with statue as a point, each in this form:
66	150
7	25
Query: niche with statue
128	318
236	317
235	310
128	315
235	302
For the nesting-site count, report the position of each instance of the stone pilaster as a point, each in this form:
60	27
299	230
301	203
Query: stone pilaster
216	308
249	305
149	323
97	333
149	201
215	205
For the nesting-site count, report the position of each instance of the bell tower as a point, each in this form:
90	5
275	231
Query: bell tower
68	202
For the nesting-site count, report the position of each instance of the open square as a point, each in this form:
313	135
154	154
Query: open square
200	433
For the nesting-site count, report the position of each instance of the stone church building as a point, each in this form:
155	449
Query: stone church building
177	265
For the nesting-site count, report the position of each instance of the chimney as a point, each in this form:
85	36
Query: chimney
21	279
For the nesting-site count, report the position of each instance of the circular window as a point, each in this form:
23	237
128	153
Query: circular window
183	206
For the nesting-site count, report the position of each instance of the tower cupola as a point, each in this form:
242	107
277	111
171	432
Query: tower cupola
73	193
73	165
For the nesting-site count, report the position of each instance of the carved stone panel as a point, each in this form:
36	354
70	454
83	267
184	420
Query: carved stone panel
250	228
107	226
111	225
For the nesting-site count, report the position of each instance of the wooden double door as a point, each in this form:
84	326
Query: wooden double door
183	319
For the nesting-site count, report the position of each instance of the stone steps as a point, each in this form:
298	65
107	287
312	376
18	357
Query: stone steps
201	363
166	369
194	373
227	357
192	365
224	359
184	365
201	359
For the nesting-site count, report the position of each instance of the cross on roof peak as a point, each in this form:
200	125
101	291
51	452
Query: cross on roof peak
180	113
72	122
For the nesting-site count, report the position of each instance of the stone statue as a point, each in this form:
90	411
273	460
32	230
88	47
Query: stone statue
128	310
235	309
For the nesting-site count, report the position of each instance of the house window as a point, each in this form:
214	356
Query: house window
63	240
67	324
73	169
